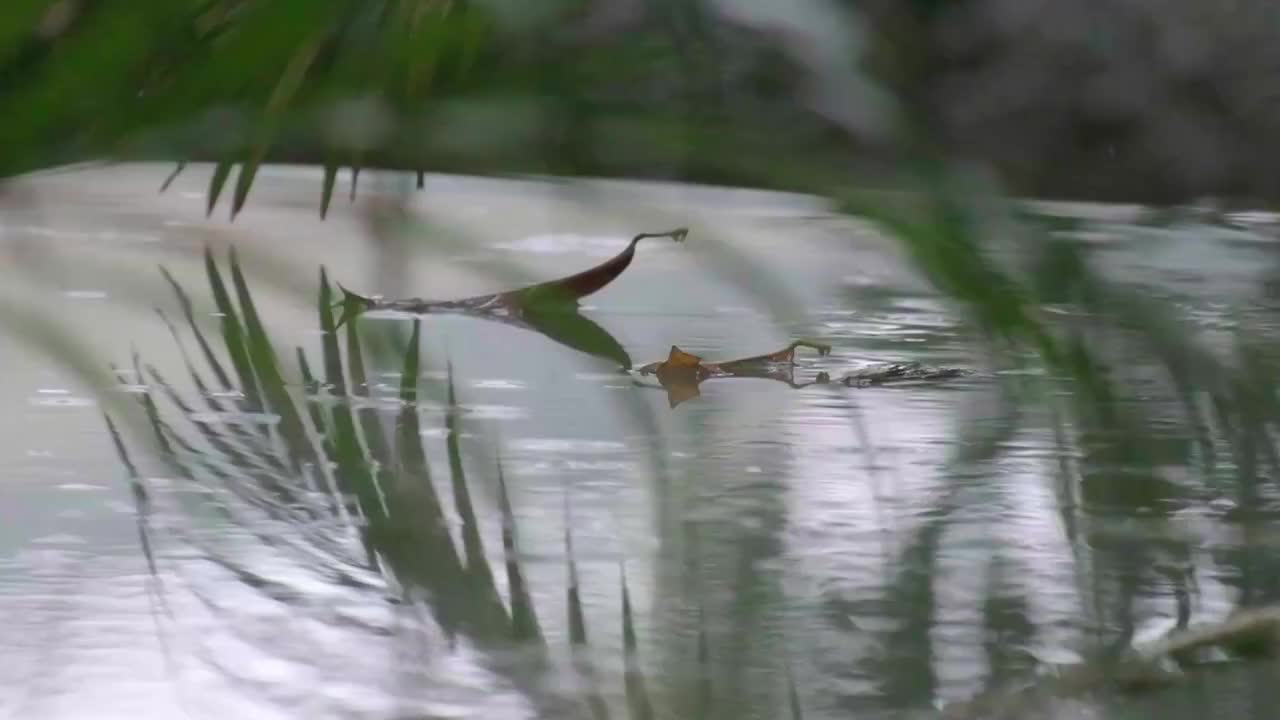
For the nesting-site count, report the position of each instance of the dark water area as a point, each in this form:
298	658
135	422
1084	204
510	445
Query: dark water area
782	545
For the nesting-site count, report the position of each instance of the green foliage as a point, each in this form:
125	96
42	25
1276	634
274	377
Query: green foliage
470	85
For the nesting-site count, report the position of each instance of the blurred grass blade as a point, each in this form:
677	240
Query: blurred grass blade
577	621
486	600
279	101
233	337
210	433
334	377
256	447
221	172
578	626
244	180
326	191
355	476
188	312
423	550
312	388
793	697
370	425
637	693
524	621
182	165
705	688
141	499
262	356
565	325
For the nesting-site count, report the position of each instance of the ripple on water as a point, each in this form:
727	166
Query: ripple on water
566	243
234	418
85	294
58	397
498	384
568	445
495	412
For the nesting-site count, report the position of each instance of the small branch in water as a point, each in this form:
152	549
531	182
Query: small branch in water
1250	632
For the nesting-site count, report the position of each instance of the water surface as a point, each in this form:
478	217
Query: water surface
855	540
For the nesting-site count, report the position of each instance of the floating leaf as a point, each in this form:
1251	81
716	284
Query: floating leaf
682	372
548	308
565	290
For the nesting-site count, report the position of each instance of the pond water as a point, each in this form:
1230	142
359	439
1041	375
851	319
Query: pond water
855	547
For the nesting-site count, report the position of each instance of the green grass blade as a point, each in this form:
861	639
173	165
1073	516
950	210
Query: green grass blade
245	440
244	180
312	387
188	313
262	356
221	172
333	374
233	337
141	499
577	619
182	165
355	475
424	550
215	439
705	696
578	626
326	191
487	601
793	696
281	97
370	425
637	692
524	621
565	325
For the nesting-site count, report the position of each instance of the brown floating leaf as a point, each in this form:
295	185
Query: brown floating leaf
679	359
681	373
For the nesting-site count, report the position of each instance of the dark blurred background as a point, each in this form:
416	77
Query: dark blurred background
1125	100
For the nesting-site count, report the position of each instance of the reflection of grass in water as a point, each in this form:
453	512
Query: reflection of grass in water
343	470
340	450
1111	359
